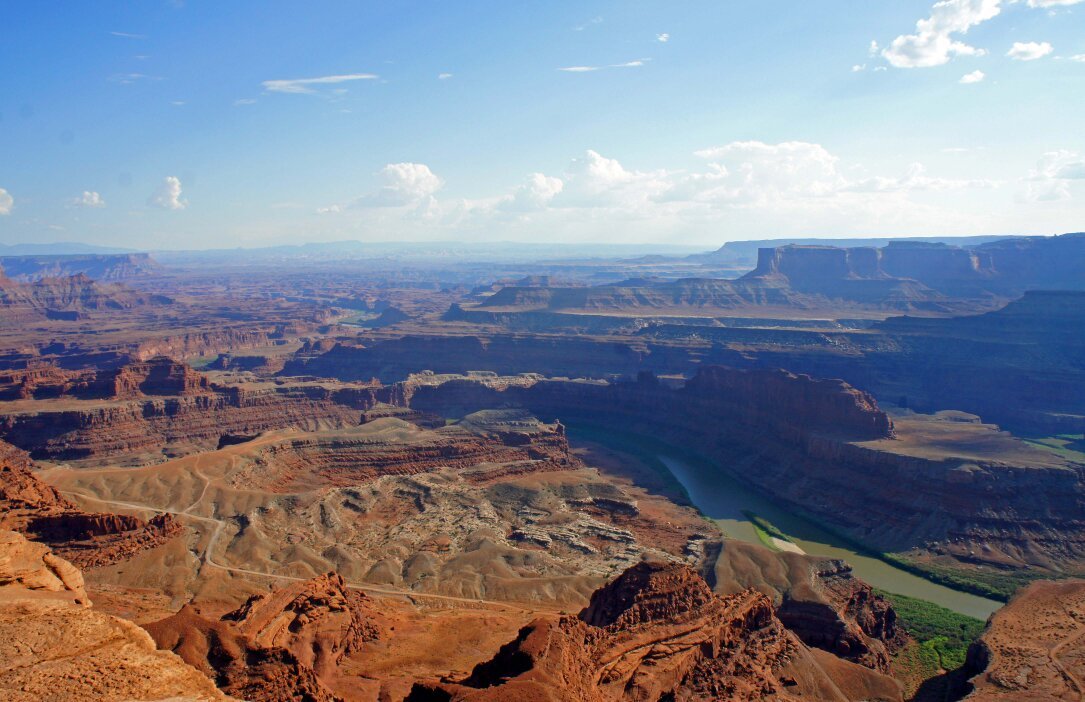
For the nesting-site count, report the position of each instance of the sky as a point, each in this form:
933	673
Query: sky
170	124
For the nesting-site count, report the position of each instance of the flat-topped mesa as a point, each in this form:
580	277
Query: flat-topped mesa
658	632
793	402
158	376
96	266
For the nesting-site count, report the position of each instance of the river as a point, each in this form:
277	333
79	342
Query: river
723	499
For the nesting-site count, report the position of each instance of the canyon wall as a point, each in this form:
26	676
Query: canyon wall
827	449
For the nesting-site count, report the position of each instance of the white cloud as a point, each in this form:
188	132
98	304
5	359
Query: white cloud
126	35
330	209
444	76
873	49
858	68
168	195
916	178
1052	3
1050	180
533	195
934	44
973	77
308	86
757	172
663	38
6	202
1080	58
244	101
635	63
89	198
404	184
1029	50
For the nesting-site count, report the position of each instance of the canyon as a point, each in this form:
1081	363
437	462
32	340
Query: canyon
350	478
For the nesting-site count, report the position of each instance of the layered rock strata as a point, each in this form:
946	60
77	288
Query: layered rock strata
657	632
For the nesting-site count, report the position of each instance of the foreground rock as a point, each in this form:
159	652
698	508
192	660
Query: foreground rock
54	648
282	646
1034	647
658	632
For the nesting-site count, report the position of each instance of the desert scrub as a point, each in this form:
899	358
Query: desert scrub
942	634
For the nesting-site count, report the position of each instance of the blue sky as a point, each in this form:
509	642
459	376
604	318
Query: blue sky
197	124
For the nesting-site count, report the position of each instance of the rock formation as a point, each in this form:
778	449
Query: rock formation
827	448
656	632
89	539
285	645
1033	648
54	648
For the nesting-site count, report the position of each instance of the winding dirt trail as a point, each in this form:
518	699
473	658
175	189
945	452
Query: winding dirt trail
1056	660
207	558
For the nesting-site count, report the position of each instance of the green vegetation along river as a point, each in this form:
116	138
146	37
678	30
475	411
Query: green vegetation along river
728	502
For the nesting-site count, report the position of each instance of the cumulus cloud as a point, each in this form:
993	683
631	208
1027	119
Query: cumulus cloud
89	198
757	172
535	194
168	195
934	42
6	202
756	188
1080	58
973	77
308	86
663	38
404	184
1029	50
1050	180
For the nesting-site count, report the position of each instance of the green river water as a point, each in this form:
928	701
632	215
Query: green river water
724	499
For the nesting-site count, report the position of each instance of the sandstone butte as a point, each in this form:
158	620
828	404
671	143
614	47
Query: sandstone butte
658	632
55	648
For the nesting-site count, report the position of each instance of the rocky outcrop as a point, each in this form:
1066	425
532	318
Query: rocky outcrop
656	632
29	569
88	539
839	613
1033	648
53	647
281	646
